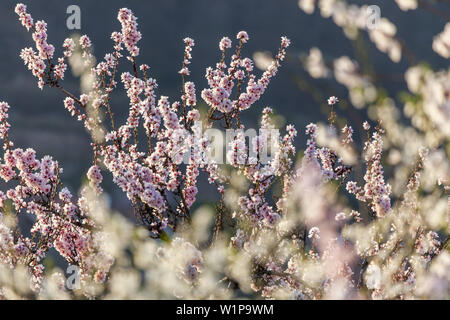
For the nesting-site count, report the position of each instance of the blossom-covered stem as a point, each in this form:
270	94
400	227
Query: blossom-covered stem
189	44
331	102
183	89
54	82
239	83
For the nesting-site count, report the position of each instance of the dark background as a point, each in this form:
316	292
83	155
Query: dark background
40	120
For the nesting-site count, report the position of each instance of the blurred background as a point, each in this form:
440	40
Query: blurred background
41	122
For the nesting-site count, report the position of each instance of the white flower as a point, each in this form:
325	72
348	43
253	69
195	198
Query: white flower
314	233
441	42
373	277
406	5
307	5
332	100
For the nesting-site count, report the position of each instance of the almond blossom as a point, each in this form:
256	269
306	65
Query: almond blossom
281	228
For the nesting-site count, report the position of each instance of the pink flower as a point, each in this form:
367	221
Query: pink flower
348	135
189	42
341	216
69	46
85	42
225	43
95	178
190	98
285	42
69	104
242	36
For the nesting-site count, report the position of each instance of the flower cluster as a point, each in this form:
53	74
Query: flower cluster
189	44
186	259
35	61
375	190
130	35
24	17
224	78
60	222
95	178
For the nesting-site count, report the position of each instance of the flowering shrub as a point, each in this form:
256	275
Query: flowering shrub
294	232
